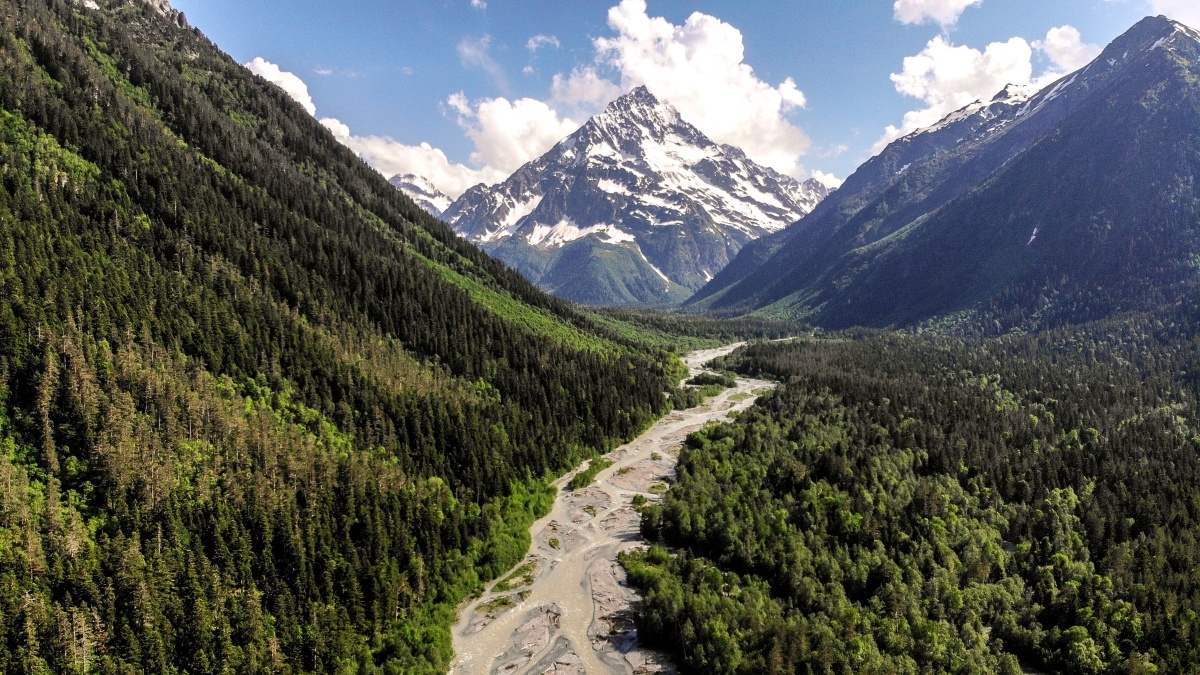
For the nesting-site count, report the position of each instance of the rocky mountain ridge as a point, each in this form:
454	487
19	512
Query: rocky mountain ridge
637	207
1068	203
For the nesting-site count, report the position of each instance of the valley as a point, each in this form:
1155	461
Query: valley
567	608
264	411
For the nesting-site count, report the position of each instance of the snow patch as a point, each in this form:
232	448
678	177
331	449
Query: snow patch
612	187
511	221
566	232
660	273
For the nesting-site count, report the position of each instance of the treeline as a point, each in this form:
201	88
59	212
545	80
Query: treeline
916	503
258	412
688	332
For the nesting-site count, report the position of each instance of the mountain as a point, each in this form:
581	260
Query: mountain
637	207
1069	203
259	412
422	192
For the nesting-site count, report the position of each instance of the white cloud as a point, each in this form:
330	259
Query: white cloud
698	67
479	4
1184	11
947	77
944	12
828	180
835	151
1065	47
475	53
288	82
538	41
584	89
506	135
509	134
390	157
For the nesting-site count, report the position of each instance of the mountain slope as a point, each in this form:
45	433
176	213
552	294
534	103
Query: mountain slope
636	207
421	191
1074	202
258	411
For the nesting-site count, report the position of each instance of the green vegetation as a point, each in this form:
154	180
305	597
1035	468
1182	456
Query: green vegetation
585	477
494	605
722	380
682	333
914	504
554	543
258	412
708	385
522	576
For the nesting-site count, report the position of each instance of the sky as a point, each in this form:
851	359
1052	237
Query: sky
466	91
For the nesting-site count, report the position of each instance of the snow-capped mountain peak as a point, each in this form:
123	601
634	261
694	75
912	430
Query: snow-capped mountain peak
649	188
423	192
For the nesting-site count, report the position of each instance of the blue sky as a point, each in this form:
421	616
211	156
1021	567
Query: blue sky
465	79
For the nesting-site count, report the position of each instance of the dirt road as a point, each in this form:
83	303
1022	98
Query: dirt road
566	608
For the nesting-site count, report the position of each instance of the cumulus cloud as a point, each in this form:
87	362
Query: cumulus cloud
1065	47
479	4
1184	11
288	82
944	12
506	134
538	41
947	77
583	89
509	134
828	180
699	68
390	157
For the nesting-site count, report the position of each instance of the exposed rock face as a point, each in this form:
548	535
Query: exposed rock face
637	207
1032	209
422	192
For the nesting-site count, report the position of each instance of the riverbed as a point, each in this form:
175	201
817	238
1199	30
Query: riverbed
566	609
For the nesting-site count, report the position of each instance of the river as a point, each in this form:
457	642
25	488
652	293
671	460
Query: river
566	609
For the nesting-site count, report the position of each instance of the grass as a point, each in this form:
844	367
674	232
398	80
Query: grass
624	470
495	604
522	576
585	477
537	321
655	456
554	543
658	488
738	398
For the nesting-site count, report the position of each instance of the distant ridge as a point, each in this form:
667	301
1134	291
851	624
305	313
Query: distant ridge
422	192
1035	207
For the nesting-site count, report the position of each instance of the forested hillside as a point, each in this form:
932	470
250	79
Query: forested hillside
258	411
915	504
